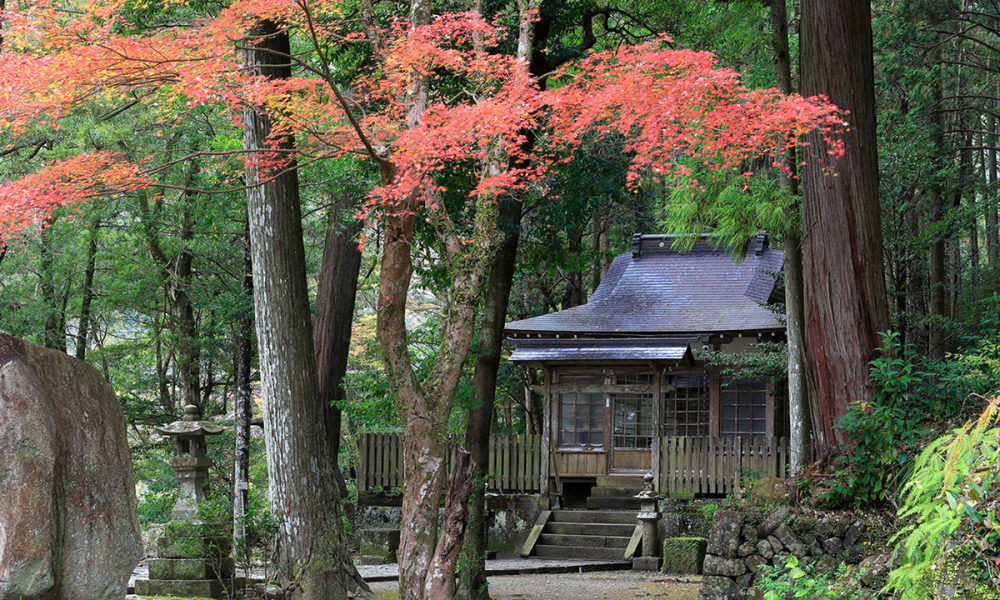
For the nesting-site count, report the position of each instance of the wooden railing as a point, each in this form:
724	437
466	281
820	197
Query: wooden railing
513	468
701	465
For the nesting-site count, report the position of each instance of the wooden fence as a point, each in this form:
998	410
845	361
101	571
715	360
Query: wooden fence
688	465
696	465
514	462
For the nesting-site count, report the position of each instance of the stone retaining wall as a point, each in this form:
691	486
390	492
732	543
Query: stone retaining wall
740	541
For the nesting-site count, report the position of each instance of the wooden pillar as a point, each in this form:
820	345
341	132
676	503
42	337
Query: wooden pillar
658	374
547	411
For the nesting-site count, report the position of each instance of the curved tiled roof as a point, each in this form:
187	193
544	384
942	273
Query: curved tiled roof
657	290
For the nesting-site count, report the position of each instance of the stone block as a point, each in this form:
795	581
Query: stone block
646	563
185	588
380	541
724	539
764	549
727	567
833	546
185	541
789	540
190	568
777	517
754	562
684	555
718	588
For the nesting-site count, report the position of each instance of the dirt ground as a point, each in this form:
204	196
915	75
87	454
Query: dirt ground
607	585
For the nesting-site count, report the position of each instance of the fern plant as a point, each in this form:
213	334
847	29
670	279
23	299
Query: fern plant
950	504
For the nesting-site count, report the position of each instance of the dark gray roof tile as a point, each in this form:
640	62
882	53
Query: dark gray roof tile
660	291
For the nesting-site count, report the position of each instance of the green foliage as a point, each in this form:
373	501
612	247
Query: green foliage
799	581
769	362
156	483
734	207
913	396
951	514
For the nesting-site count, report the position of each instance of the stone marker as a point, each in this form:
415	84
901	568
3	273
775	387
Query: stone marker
68	526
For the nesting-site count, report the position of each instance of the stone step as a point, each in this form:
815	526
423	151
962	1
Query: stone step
594	516
601	553
616	529
588	541
614	492
605	503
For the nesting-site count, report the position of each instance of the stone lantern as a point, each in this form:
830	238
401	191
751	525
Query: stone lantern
192	558
648	517
189	461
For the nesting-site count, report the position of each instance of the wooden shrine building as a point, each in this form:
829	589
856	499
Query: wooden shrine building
624	392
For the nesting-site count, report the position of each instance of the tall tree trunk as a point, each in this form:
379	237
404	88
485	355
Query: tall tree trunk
188	346
335	293
303	493
243	409
88	290
990	198
484	378
974	209
800	414
845	301
937	274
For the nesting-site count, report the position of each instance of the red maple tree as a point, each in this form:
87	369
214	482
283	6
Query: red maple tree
671	106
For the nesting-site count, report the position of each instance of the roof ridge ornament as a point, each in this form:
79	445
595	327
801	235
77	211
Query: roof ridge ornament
761	242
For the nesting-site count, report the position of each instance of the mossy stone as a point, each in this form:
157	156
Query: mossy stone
684	555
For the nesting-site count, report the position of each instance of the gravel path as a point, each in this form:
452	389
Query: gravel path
610	585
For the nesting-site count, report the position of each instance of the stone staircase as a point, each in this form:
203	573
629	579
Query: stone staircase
586	534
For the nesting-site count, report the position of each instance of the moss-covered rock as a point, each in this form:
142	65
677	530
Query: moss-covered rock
684	555
380	541
960	574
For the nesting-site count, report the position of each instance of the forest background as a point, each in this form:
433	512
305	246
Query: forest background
151	287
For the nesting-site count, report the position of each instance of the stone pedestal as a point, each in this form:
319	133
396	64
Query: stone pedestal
192	558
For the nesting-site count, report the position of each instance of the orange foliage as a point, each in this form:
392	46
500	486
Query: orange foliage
666	104
30	201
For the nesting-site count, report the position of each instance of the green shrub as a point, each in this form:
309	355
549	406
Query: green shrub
795	581
914	398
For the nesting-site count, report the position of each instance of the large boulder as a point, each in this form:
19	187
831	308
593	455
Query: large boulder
68	528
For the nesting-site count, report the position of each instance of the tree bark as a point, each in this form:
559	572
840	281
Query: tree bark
484	378
845	300
441	582
188	346
800	413
992	221
243	409
335	293
303	494
937	274
88	290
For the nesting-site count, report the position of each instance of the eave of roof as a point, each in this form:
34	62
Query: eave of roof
656	350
